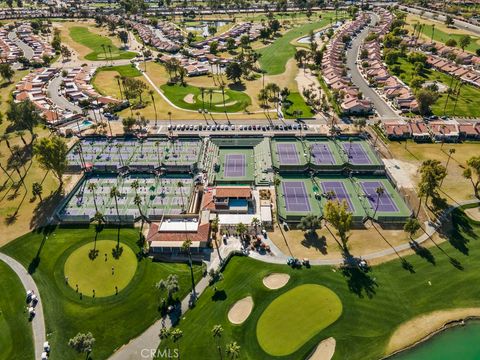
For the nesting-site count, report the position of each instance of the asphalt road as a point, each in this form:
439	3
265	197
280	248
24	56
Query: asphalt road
439	17
27	50
58	99
385	112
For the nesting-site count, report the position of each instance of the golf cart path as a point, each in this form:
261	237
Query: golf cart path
38	322
145	345
430	229
164	97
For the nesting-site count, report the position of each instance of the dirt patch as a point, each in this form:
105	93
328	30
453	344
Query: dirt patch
189	99
473	213
241	310
403	172
276	280
422	327
324	350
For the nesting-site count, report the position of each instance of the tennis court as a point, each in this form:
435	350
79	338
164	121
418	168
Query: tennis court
235	165
384	202
337	189
296	198
288	154
356	154
322	155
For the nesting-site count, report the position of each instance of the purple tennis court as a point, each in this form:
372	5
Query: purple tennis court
235	165
339	190
356	154
385	201
288	154
322	155
296	198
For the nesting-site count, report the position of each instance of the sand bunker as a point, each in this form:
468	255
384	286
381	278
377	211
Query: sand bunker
276	280
473	213
241	310
227	104
421	327
324	350
189	99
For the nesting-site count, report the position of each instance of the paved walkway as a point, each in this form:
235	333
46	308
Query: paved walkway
145	345
38	323
430	230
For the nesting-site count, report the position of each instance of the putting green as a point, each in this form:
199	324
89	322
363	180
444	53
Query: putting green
97	274
295	317
217	97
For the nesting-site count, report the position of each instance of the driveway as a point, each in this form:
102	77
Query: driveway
385	112
58	99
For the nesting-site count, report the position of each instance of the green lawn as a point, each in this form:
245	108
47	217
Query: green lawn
83	36
467	104
16	340
102	273
298	104
374	304
123	70
443	37
275	56
113	320
285	325
235	101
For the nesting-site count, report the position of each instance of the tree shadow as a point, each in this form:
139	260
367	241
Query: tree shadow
237	86
219	295
20	156
460	226
359	281
423	252
312	240
44	210
45	231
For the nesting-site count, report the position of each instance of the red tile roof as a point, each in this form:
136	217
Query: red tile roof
233	192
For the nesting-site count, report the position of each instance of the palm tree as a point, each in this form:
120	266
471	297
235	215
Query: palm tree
37	190
135	185
138	202
210	93
170	118
99	220
92	187
110	52
186	248
217	334
202	91
256	223
380	191
451	151
117	77
114	193
180	186
151	93
21	133
433	31
241	229
222	88
105	52
233	350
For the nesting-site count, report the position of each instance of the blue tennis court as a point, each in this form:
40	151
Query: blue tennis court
296	198
356	154
385	201
288	154
235	165
322	155
339	191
